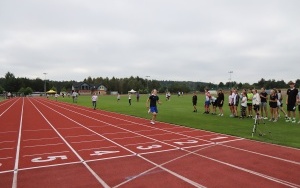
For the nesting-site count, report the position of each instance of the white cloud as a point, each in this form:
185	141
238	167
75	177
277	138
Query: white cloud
194	40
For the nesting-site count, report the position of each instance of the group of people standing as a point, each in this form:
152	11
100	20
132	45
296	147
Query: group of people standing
253	102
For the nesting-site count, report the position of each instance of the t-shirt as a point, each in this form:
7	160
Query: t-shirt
94	98
263	99
194	98
153	100
249	97
244	101
292	96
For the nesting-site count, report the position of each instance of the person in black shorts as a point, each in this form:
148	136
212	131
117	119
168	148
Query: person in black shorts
273	106
291	102
220	102
153	99
194	100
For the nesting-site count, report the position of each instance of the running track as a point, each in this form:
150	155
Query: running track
45	143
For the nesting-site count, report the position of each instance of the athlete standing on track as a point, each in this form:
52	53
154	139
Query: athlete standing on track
153	99
94	100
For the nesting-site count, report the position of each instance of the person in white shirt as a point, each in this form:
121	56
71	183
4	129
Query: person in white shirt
74	96
256	101
94	101
243	105
56	95
129	99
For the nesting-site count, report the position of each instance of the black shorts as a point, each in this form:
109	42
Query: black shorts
249	104
256	107
220	104
291	107
299	108
273	105
194	103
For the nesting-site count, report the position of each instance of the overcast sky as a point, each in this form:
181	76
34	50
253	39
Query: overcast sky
183	40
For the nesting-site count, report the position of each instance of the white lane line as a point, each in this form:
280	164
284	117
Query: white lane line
269	156
40	154
4	158
8	141
161	167
15	177
7	132
283	182
80	136
44	145
265	176
8	108
98	148
6	149
38	139
37	130
73	150
88	141
171	172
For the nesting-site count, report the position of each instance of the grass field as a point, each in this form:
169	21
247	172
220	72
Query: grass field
179	111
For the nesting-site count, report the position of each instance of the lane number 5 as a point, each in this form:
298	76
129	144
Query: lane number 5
48	159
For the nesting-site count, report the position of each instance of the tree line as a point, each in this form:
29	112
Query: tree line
10	83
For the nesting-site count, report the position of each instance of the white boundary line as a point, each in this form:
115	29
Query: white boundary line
173	173
253	172
73	150
9	107
15	177
269	156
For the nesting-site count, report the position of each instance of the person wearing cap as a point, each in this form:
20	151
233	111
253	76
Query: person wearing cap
291	102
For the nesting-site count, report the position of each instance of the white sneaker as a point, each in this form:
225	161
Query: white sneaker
287	120
294	120
221	114
149	111
265	117
299	122
152	122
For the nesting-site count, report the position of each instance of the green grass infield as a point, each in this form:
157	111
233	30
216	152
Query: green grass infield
179	110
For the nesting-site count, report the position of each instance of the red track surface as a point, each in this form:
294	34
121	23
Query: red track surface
50	144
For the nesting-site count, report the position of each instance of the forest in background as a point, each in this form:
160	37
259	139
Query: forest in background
20	85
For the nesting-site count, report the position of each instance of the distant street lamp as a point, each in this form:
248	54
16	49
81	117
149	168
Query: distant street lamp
230	82
147	83
45	83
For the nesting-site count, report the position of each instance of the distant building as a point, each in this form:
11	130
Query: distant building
87	89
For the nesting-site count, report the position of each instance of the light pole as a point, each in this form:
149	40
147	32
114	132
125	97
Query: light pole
147	83
45	83
230	83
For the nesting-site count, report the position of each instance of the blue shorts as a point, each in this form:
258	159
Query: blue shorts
153	109
207	103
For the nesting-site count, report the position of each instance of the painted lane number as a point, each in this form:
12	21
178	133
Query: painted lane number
103	152
48	159
186	142
149	147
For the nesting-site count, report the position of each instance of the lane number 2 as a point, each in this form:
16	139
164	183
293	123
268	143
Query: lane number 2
186	142
149	147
